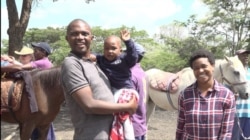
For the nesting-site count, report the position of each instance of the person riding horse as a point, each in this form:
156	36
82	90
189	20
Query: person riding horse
19	71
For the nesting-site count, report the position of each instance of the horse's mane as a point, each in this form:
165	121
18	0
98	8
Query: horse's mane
48	77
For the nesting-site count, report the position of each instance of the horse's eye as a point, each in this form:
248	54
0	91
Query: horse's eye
236	73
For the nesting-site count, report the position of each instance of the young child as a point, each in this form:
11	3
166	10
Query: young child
116	65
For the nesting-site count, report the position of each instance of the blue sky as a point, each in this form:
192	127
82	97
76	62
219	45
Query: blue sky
146	15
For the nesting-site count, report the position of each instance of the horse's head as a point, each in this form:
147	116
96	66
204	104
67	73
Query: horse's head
233	75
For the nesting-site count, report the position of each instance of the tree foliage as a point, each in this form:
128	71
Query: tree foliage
18	25
228	20
223	31
56	38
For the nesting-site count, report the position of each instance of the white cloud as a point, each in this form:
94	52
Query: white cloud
200	8
197	5
142	14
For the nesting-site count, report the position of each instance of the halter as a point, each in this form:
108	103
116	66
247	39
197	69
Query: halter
231	85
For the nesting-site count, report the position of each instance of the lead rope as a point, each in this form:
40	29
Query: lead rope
241	132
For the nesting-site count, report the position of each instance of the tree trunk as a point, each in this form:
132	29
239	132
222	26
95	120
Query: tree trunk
17	27
15	40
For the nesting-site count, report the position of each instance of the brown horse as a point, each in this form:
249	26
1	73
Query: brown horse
49	97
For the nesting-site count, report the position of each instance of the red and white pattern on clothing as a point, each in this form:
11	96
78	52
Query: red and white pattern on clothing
122	127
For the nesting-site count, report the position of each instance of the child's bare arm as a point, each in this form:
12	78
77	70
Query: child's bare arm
92	57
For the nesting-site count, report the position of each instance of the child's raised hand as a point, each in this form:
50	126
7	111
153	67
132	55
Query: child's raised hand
125	35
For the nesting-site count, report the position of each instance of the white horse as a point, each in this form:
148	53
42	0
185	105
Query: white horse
228	71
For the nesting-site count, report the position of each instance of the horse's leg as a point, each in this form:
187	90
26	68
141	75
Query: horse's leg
43	131
20	129
26	130
150	109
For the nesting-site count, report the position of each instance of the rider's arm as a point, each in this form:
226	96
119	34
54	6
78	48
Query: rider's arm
27	66
11	68
16	67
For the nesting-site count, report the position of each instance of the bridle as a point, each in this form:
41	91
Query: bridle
231	85
236	95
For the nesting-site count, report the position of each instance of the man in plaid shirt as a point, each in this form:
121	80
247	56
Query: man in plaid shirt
206	108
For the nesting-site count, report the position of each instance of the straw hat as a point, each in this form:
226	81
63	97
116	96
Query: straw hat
24	51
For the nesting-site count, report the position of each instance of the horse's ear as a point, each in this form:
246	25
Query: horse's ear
226	57
228	60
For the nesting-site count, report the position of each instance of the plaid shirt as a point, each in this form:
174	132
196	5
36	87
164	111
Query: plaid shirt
205	118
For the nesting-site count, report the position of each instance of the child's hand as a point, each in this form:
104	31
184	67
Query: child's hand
133	103
125	35
92	58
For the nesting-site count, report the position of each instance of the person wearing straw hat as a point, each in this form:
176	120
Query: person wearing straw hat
41	52
7	60
25	55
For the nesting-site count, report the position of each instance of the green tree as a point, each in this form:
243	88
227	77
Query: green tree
18	25
100	34
49	34
60	48
171	36
228	20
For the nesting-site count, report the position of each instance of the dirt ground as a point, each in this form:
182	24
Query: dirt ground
162	126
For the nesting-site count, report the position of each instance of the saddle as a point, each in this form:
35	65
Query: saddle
11	93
